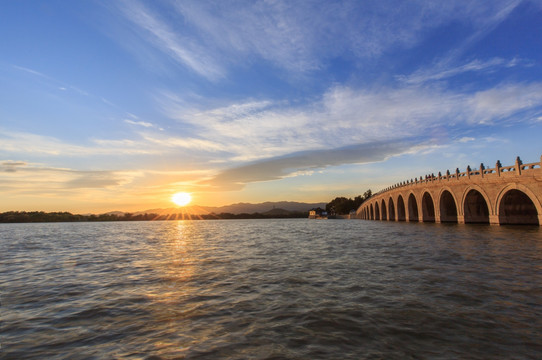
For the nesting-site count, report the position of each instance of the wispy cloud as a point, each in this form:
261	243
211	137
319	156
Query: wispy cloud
482	19
501	102
210	38
60	85
345	116
84	96
258	130
306	161
441	71
162	36
192	144
145	143
139	123
23	175
11	166
27	143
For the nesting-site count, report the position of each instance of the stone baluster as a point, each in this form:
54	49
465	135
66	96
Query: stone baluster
482	168
518	165
468	171
457	173
498	167
448	175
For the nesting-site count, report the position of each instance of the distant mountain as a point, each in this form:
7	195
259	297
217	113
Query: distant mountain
278	212
239	208
116	213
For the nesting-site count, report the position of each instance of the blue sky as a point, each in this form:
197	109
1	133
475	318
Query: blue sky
116	105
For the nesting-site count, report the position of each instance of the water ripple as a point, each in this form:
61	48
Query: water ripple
272	289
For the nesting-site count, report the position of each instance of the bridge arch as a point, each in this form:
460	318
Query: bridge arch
447	206
377	211
412	208
384	211
476	205
516	204
401	213
391	209
428	207
372	216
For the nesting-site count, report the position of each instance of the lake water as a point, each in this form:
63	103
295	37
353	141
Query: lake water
270	289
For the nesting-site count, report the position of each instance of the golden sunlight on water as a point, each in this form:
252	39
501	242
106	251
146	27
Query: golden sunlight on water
176	265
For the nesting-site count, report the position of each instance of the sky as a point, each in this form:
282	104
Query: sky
117	105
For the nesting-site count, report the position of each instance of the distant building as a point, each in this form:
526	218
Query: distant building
317	214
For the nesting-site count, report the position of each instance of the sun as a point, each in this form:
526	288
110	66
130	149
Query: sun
181	198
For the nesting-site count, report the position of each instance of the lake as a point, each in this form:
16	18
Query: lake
270	289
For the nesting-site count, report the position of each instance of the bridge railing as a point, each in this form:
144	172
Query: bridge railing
518	168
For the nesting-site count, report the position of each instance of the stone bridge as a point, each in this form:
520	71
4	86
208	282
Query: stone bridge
499	195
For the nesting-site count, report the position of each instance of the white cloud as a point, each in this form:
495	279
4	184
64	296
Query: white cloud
443	71
494	104
212	37
28	143
150	144
183	143
139	123
265	134
162	36
253	130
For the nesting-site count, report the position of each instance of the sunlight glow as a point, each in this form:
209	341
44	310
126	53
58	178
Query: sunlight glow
181	198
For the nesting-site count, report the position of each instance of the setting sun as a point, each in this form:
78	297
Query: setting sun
181	198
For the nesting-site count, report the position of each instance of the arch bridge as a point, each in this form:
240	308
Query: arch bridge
499	195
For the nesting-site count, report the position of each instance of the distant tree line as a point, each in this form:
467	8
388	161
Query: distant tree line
40	216
342	205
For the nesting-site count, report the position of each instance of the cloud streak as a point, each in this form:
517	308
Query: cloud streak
21	176
441	71
280	167
212	38
158	33
144	143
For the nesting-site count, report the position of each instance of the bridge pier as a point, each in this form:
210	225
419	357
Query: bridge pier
494	220
460	219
